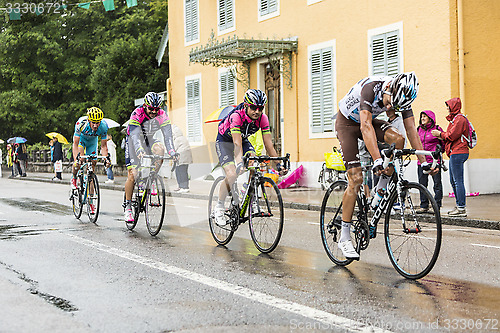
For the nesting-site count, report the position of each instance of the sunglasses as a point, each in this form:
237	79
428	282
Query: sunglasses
150	108
255	107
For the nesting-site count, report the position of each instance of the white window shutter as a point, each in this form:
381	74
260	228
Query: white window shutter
385	53
322	85
193	111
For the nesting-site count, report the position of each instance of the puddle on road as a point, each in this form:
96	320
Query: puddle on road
58	302
37	205
12	232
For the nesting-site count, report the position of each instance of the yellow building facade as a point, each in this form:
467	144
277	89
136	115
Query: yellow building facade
307	54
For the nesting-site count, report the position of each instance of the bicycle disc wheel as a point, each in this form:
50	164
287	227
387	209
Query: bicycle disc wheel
330	221
76	198
93	198
412	240
134	204
265	216
221	234
154	205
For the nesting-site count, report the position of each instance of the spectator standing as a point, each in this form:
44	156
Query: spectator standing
57	158
429	142
181	145
10	160
22	157
15	161
457	150
112	155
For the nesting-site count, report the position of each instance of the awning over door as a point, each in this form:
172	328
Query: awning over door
239	51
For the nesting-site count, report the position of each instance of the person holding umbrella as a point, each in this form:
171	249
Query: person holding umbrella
57	157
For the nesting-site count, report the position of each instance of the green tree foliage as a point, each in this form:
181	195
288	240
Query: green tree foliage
54	66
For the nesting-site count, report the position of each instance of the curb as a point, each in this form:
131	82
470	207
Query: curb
458	221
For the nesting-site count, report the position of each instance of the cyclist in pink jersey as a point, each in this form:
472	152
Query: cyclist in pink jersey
144	122
232	142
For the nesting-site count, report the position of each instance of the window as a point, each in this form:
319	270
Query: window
385	50
225	15
193	109
268	9
227	88
322	89
191	21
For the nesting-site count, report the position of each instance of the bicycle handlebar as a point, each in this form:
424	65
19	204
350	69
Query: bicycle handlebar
389	152
260	159
160	157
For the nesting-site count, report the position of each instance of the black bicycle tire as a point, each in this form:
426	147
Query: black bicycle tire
161	195
78	190
93	219
338	210
211	220
387	233
253	234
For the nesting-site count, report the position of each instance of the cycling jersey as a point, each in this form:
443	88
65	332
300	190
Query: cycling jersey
88	137
237	121
367	94
141	130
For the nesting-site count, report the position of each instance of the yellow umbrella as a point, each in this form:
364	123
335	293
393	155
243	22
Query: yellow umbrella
59	137
1	141
218	114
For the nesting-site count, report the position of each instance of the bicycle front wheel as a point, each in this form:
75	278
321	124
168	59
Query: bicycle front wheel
221	234
154	206
77	198
266	215
330	221
412	241
93	198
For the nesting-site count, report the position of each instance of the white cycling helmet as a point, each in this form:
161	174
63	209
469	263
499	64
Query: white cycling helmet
404	90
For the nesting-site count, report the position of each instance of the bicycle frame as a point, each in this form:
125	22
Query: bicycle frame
252	185
90	170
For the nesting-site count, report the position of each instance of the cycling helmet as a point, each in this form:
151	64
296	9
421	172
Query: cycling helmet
153	100
255	97
404	90
94	114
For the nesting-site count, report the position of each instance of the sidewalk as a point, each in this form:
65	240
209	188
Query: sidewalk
483	211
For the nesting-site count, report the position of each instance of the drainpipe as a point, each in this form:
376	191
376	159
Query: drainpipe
461	76
295	79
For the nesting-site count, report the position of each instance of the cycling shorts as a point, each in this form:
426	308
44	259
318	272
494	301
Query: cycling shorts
225	149
131	159
89	144
348	133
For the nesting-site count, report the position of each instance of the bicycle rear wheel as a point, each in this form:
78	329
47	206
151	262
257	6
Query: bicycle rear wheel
93	198
77	197
265	216
330	221
221	234
412	240
154	205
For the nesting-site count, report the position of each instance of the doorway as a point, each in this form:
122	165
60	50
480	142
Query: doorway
273	107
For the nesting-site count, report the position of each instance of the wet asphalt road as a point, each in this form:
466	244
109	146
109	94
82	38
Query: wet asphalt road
58	274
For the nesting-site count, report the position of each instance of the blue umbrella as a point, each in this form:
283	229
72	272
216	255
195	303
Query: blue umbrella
17	139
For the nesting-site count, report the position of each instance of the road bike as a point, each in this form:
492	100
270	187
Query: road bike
412	240
262	199
332	169
87	189
149	194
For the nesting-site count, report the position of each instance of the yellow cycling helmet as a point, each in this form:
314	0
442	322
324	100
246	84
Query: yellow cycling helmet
94	114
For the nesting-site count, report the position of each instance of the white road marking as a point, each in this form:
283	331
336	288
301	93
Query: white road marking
483	245
279	303
313	223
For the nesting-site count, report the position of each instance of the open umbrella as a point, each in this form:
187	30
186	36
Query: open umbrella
59	137
111	123
219	114
1	141
17	139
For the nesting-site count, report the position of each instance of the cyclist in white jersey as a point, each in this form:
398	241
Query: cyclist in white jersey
367	99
